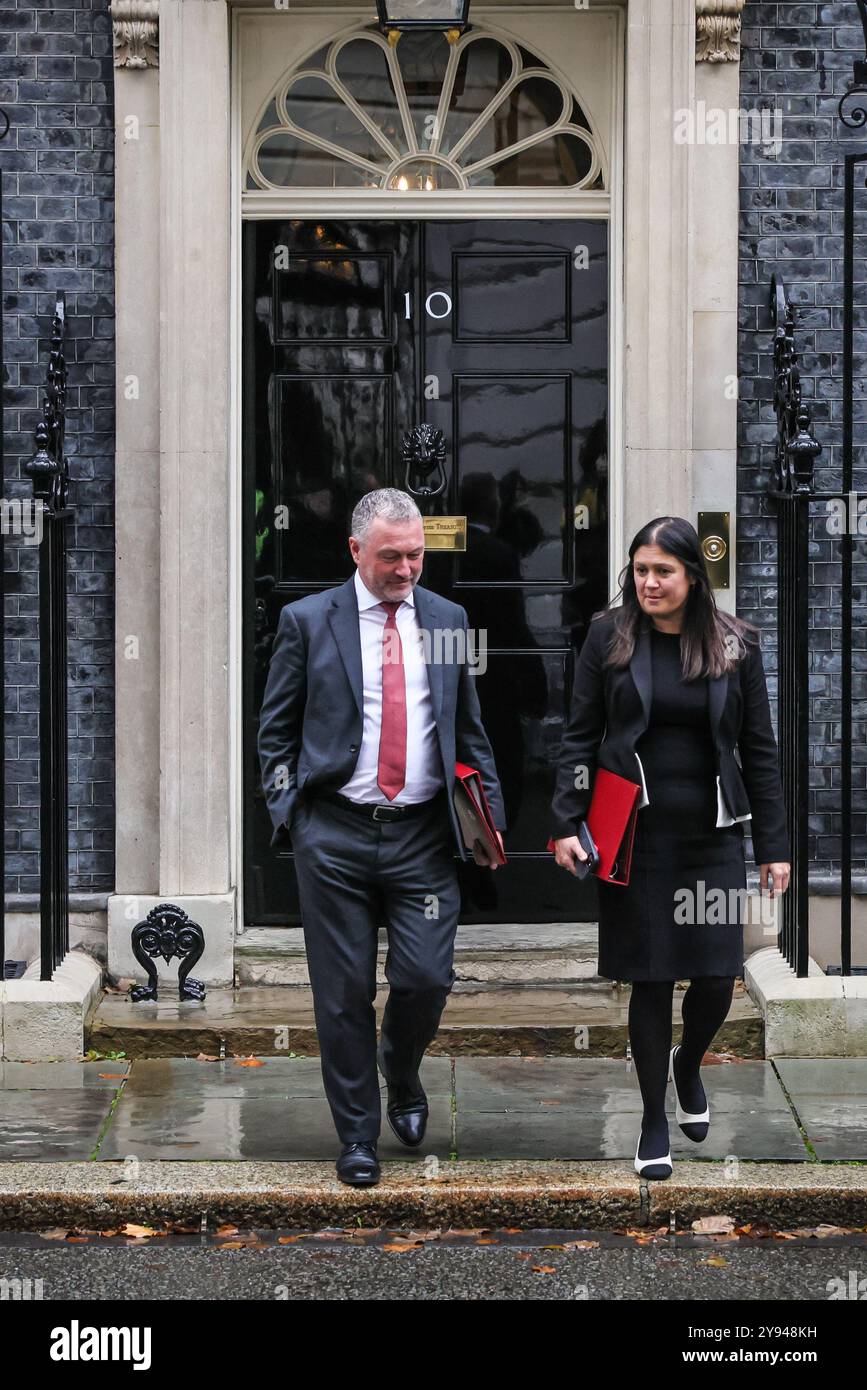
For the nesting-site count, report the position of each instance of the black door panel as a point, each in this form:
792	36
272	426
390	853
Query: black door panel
496	334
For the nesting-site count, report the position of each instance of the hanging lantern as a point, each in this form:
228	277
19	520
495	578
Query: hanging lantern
423	14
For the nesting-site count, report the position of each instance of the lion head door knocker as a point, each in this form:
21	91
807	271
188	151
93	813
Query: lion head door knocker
167	931
423	452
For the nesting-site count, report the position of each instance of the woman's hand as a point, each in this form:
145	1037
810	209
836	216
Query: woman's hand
779	876
566	851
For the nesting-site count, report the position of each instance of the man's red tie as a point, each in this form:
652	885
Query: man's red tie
391	772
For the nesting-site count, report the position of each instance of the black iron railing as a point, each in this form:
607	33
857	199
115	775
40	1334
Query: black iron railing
853	113
4	131
49	474
791	488
794	495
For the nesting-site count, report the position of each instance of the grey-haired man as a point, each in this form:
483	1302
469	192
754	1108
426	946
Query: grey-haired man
361	724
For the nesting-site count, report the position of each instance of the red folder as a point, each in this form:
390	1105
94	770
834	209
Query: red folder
612	817
474	816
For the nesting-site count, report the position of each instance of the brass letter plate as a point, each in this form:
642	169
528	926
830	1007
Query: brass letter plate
445	532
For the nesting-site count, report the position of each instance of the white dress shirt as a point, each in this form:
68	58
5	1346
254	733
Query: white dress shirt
424	774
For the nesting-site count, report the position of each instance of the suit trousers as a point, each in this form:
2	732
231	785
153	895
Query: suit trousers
355	875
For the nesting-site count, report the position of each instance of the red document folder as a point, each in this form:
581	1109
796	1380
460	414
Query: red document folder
474	816
611	819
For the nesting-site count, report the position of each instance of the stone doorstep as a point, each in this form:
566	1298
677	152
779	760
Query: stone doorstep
45	1020
817	1015
537	1020
504	953
464	1195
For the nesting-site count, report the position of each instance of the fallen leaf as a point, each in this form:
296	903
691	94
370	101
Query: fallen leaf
713	1225
544	1269
111	1075
398	1247
716	1260
288	1240
581	1245
227	1230
77	1240
418	1237
206	1057
249	1062
132	1230
54	1233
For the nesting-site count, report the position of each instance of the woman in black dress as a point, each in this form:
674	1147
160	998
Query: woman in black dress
666	688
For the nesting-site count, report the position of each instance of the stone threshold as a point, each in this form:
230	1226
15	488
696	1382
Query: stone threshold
537	1020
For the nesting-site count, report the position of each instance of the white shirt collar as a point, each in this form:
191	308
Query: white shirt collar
368	600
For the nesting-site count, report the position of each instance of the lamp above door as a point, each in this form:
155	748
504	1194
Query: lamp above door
423	14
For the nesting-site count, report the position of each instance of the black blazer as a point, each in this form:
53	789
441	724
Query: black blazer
611	710
310	722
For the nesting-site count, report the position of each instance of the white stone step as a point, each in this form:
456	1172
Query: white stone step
507	953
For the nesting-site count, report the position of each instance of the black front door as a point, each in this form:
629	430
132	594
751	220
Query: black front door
496	334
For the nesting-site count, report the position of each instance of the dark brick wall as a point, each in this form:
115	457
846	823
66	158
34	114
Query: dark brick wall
799	59
56	84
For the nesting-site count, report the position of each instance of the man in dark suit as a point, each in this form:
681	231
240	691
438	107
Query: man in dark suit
369	702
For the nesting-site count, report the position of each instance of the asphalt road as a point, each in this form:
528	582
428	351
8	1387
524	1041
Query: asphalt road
389	1266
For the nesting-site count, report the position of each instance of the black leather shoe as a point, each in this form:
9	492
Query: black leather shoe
357	1165
408	1121
407	1109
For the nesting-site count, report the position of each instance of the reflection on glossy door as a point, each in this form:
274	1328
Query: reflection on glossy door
496	335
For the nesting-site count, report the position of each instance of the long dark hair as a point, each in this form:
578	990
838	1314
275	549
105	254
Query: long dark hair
712	641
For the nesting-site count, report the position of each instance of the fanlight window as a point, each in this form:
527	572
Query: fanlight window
428	113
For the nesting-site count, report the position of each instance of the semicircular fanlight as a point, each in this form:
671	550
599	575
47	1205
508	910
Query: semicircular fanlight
425	113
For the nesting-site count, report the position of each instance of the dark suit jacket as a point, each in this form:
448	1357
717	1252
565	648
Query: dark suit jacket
311	717
611	710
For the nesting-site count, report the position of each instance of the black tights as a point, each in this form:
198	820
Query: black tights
705	1006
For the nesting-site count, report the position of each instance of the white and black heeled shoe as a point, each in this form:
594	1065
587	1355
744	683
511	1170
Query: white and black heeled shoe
643	1164
683	1116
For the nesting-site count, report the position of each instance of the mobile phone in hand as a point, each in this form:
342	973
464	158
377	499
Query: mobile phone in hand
591	863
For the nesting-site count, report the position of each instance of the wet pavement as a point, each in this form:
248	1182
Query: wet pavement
482	1108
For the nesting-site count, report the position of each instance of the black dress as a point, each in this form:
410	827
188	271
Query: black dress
681	915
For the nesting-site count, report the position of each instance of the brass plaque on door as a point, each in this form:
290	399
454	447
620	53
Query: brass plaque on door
714	534
445	532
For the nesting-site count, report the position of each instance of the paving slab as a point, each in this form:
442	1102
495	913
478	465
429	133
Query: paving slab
286	1077
54	1110
262	1129
183	1109
530	1108
830	1097
48	1125
62	1076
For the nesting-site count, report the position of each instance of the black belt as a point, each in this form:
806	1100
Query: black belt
373	811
